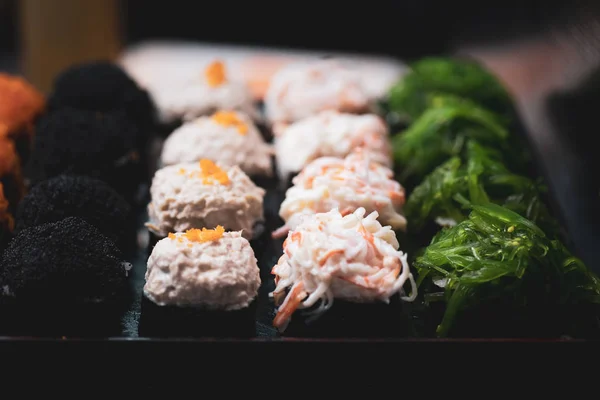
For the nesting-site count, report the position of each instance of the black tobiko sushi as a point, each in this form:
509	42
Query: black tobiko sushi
104	87
348	275
99	145
203	282
77	196
62	278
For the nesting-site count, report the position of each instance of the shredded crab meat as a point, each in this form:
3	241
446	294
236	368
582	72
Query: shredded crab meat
304	88
346	184
331	256
331	134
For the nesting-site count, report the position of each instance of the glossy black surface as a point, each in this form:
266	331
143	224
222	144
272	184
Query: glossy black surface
407	29
337	325
561	137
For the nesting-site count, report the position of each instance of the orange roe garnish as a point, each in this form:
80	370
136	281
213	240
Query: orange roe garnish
20	105
215	74
181	171
204	235
211	173
172	236
230	118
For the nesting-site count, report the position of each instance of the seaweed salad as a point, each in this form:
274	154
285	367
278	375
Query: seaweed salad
491	258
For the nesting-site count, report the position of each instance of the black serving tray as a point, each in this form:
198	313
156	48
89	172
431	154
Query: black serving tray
268	252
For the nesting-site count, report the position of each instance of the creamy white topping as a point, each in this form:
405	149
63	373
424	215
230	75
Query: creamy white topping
194	97
222	274
331	134
346	184
302	89
180	202
230	145
330	256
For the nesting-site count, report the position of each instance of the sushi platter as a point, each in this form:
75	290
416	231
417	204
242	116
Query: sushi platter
218	194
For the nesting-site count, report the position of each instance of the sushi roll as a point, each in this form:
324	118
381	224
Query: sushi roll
21	105
346	184
227	137
62	278
331	263
99	145
104	87
303	89
78	196
202	282
6	220
204	195
209	91
330	134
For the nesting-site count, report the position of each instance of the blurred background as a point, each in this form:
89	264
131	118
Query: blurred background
547	54
407	29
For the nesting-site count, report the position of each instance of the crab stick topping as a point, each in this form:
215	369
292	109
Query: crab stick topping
330	256
347	184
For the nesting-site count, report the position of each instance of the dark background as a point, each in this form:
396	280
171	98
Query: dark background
403	28
8	31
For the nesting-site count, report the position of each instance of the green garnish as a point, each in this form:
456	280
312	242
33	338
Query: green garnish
497	253
440	133
428	77
482	178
